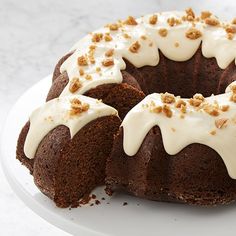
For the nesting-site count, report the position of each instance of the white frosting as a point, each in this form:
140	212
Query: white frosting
57	112
214	44
178	132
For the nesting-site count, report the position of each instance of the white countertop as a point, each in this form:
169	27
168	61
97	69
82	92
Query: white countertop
33	36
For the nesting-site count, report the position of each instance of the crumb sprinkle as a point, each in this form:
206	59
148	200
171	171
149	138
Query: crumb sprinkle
109	53
108	62
163	32
167	98
134	48
88	77
213	132
113	27
81	72
130	21
190	14
205	14
176	44
126	36
75	85
77	107
97	37
82	61
193	33
224	108
221	123
212	21
173	21
167	111
107	37
153	20
197	100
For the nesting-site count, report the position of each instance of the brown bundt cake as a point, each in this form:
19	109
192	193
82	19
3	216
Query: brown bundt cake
120	64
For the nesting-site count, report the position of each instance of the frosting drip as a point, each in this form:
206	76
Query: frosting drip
59	111
194	125
165	35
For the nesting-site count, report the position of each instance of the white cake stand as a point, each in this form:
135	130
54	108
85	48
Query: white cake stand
139	217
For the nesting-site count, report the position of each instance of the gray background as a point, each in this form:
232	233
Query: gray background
33	36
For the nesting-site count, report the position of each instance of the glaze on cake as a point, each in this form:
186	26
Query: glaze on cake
73	112
201	120
97	61
121	63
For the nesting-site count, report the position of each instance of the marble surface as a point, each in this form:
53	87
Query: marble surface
33	35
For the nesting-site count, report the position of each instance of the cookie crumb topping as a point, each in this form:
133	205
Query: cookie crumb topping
233	88
107	37
211	109
157	109
113	27
233	97
77	107
167	110
81	72
193	33
212	21
135	47
167	98
230	29
97	37
98	69
190	14
109	53
126	36
163	32
153	19
224	108
108	62
205	14
230	36
213	132
197	100
130	21
82	61
176	44
88	77
183	108
179	103
74	85
221	123
173	21
144	37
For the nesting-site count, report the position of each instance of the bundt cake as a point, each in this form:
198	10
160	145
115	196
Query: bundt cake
167	148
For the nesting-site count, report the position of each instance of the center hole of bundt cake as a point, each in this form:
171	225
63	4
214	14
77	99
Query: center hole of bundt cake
197	75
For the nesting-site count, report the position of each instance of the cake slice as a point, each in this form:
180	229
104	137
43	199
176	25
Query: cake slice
65	146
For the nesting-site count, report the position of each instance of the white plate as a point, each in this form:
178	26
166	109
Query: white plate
139	217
